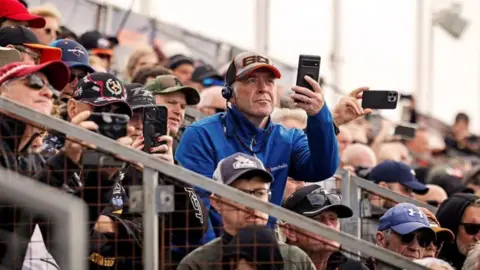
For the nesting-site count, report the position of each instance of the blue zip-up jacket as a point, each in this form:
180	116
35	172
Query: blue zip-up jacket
308	156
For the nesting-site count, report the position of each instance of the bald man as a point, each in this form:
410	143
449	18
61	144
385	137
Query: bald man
358	155
435	195
211	101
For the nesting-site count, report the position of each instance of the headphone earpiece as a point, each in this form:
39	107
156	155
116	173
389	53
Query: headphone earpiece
227	92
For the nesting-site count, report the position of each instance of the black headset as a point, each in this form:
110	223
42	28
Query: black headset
227	90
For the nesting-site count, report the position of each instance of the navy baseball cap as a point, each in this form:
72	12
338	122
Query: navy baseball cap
240	165
74	55
397	172
404	218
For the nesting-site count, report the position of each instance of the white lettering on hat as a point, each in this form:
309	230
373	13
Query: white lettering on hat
76	51
114	87
243	163
412	172
141	92
95	88
412	212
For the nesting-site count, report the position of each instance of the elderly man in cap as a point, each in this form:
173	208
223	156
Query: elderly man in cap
250	88
31	86
395	176
169	91
316	203
247	174
405	229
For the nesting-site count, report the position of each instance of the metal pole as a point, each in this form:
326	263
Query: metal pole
150	219
335	56
262	20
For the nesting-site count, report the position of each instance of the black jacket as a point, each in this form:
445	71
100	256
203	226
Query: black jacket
14	218
338	261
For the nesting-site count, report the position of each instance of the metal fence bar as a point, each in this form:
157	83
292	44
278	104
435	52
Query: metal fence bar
388	194
69	212
351	198
194	179
150	219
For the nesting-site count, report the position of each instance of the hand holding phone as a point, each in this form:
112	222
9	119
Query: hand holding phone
308	65
154	126
380	99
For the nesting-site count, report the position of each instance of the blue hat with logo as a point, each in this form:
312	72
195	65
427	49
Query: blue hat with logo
404	218
397	172
74	55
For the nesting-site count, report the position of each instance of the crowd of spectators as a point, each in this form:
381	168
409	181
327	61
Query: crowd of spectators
280	147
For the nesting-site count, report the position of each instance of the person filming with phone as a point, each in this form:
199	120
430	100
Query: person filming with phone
246	127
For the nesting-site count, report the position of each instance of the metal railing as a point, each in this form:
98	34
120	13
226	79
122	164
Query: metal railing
152	164
69	214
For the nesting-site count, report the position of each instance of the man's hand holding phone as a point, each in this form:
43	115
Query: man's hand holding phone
349	108
74	148
310	101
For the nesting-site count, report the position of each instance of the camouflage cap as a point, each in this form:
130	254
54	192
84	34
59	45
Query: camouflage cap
165	84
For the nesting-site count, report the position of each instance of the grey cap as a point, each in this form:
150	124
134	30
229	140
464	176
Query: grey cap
240	165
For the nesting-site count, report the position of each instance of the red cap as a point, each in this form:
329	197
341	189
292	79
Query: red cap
14	10
57	72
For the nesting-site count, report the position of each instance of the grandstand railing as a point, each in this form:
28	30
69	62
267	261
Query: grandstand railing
69	214
150	184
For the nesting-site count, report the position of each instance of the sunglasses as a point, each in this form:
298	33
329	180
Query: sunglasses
471	228
320	198
78	76
423	239
49	31
211	82
35	82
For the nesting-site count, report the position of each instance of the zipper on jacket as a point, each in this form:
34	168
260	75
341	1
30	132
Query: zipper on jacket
251	146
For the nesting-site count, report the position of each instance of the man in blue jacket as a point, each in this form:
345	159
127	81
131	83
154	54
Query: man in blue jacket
246	127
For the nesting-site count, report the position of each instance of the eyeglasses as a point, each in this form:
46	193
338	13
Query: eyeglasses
35	56
423	239
471	228
35	82
49	31
259	193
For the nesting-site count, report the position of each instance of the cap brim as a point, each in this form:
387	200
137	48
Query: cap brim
249	173
47	53
444	234
191	94
99	51
124	107
417	187
406	228
8	56
255	67
341	210
73	64
33	20
57	72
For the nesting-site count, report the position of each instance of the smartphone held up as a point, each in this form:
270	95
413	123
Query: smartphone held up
380	99
308	65
154	126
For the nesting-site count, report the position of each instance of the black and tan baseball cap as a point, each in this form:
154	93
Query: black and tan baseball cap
247	62
165	84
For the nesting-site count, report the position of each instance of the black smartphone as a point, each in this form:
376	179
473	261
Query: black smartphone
380	99
111	125
308	65
405	132
154	125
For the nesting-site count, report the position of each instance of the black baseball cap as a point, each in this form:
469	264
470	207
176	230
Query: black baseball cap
100	89
312	200
138	96
20	35
204	72
240	165
98	43
178	60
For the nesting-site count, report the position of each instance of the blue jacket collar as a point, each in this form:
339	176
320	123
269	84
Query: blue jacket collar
237	122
